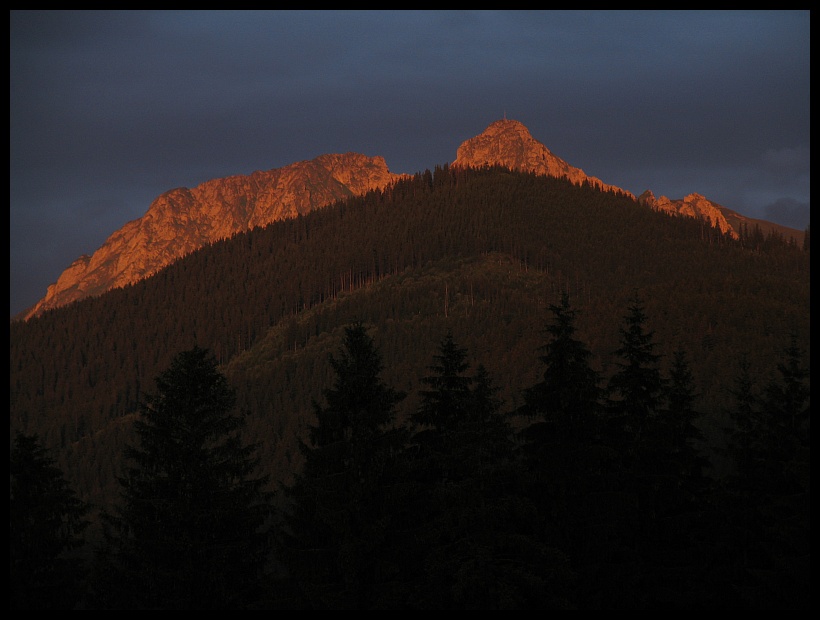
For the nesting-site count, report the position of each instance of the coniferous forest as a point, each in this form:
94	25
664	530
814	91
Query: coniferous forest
476	389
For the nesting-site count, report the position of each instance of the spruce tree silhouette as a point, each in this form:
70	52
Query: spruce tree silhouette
476	543
46	523
190	530
339	523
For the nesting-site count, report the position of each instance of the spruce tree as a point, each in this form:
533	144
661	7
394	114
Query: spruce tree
746	429
741	489
763	534
338	528
786	406
679	433
475	543
189	532
784	497
563	409
789	400
567	398
675	499
570	474
636	399
637	388
444	413
46	524
769	439
447	396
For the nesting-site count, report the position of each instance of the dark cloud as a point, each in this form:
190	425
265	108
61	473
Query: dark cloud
788	212
108	109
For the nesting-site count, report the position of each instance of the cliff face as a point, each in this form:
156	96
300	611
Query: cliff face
183	220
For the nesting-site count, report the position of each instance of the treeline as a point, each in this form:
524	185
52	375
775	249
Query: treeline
594	493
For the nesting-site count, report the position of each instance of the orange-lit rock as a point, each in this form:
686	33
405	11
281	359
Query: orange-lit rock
183	220
693	205
508	143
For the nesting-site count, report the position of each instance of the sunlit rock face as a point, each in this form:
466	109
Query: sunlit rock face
693	205
508	143
183	220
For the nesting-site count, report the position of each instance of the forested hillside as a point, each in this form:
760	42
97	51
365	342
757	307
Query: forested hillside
569	400
480	252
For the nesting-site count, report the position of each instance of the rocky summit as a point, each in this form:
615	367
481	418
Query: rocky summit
508	143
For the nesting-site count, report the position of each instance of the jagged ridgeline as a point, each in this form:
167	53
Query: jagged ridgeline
482	253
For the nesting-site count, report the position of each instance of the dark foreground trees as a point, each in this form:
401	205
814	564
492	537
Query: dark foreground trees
189	532
46	523
762	539
568	474
473	540
381	520
600	502
339	529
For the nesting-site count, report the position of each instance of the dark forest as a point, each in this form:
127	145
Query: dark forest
475	389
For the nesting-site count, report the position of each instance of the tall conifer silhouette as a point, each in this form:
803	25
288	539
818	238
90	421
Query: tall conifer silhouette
339	521
189	532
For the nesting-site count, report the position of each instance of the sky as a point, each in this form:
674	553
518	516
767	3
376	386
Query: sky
109	109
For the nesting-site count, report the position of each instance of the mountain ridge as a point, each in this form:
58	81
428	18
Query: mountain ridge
182	220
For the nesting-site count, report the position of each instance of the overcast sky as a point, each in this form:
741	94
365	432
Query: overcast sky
110	109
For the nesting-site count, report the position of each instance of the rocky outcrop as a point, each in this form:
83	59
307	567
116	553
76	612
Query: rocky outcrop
508	143
183	220
693	205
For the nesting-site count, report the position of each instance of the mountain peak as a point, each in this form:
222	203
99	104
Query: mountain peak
508	143
508	127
